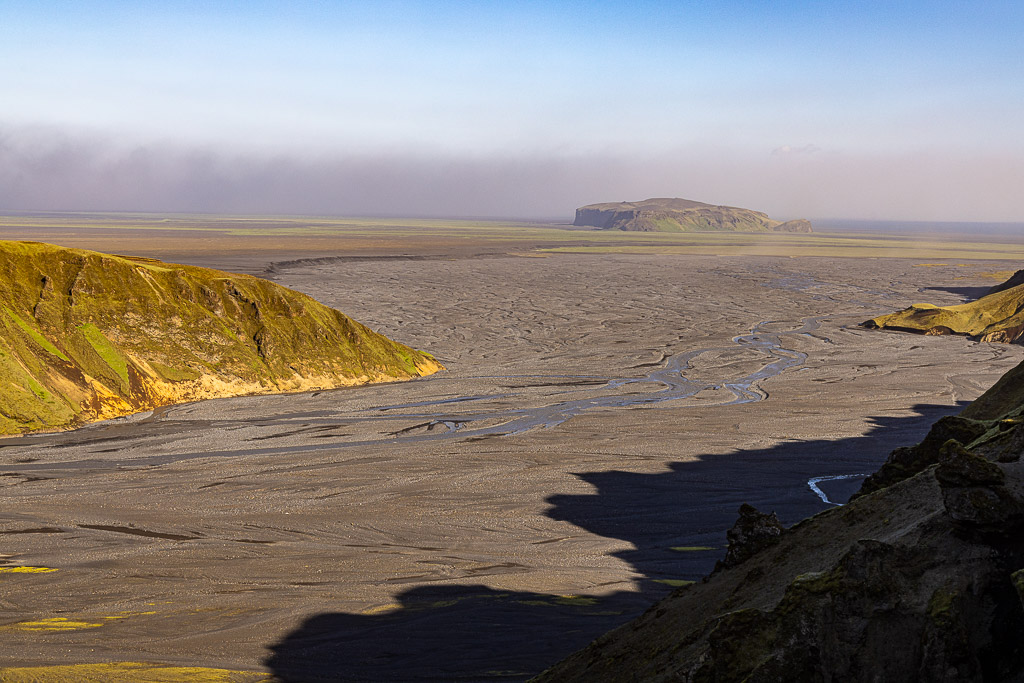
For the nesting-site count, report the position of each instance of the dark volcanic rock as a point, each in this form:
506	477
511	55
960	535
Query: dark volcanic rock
974	491
919	578
908	461
753	532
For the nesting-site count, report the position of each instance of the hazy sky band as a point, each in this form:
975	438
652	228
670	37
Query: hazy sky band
322	82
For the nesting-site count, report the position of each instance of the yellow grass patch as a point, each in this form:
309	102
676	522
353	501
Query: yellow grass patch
52	624
127	672
382	609
1001	275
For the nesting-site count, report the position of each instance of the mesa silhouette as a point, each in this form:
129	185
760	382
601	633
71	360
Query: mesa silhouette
681	215
87	336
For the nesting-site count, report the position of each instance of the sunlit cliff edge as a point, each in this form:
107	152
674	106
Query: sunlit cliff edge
680	215
87	336
996	317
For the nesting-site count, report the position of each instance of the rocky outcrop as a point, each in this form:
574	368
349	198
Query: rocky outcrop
753	532
798	225
87	336
920	577
680	215
996	317
907	461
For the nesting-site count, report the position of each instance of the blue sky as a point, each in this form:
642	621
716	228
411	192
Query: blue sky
609	100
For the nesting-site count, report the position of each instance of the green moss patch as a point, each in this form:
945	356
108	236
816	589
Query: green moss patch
36	336
106	350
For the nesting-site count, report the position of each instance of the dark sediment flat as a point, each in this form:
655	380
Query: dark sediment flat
482	523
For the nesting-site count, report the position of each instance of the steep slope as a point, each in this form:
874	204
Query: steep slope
1014	280
996	317
680	215
87	336
921	577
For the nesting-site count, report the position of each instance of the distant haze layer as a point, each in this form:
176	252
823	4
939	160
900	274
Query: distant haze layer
527	109
52	169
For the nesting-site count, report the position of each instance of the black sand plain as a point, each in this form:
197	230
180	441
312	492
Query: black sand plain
601	419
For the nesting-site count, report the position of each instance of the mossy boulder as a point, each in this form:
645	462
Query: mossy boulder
88	336
753	532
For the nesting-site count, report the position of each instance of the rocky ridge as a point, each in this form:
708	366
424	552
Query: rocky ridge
87	336
680	215
919	577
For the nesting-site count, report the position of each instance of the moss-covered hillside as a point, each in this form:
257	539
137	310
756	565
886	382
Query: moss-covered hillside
997	317
87	336
680	215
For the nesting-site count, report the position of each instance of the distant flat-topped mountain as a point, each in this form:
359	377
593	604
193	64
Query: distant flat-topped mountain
996	317
681	215
87	336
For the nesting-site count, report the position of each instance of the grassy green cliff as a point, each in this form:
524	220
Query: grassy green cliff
88	336
680	215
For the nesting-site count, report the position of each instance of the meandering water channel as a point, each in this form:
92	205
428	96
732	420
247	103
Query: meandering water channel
671	375
433	425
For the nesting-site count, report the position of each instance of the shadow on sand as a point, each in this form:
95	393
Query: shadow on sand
469	633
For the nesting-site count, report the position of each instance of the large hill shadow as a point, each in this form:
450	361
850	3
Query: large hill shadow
967	293
676	519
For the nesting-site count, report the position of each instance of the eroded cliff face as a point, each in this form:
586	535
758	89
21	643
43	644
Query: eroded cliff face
88	336
996	317
680	215
920	577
